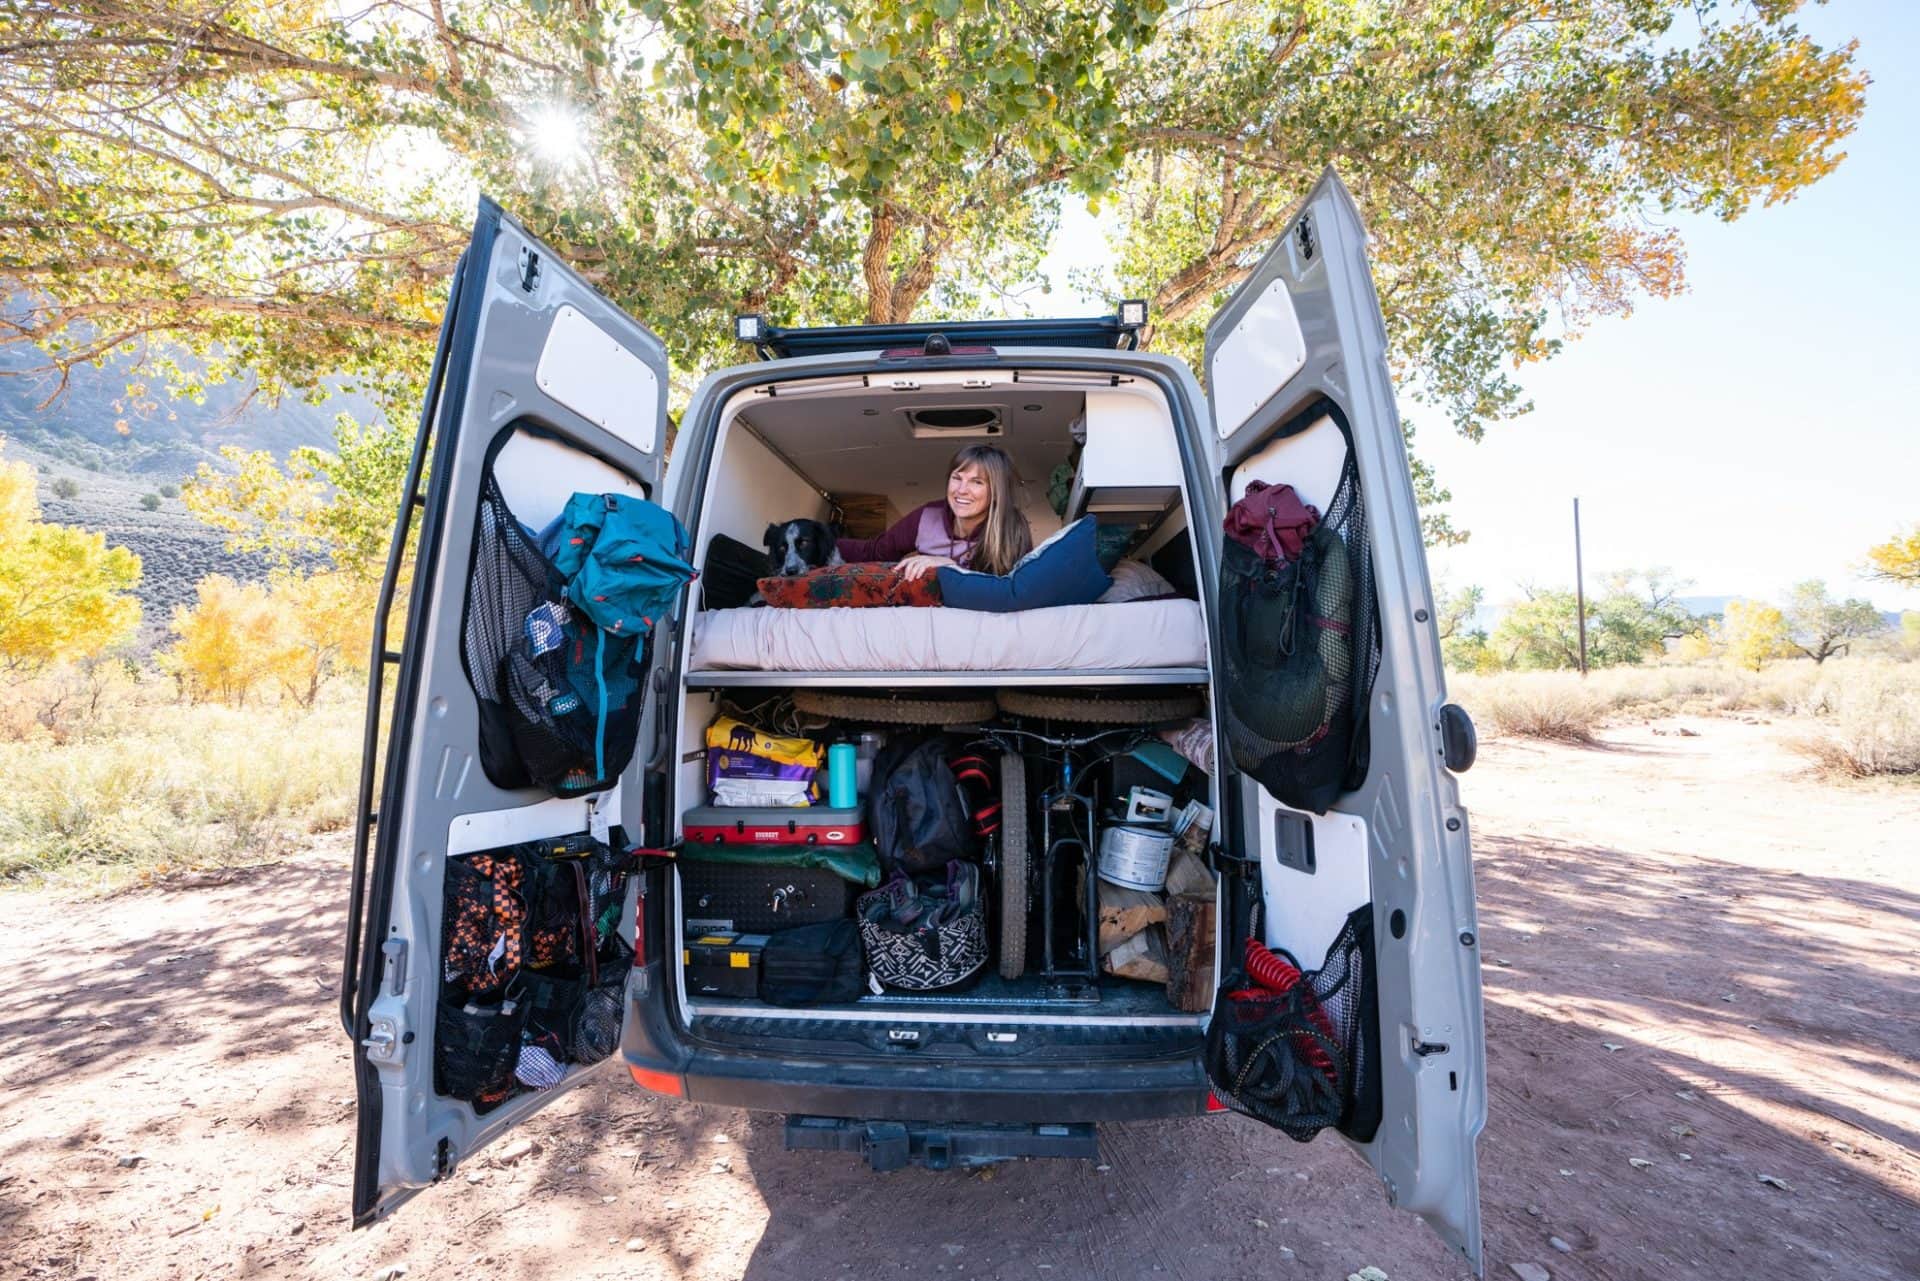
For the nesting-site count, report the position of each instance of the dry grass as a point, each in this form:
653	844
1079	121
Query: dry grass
149	785
1862	714
1870	725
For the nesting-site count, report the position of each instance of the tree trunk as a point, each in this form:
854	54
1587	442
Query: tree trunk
873	264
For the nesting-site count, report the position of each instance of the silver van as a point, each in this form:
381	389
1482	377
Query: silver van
541	389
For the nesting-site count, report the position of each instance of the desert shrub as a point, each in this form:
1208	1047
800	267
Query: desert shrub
150	501
1870	715
66	487
169	491
1551	705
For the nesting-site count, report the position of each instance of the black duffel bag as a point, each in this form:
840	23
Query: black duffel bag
920	819
812	965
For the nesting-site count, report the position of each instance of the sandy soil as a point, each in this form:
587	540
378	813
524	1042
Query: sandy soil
1696	956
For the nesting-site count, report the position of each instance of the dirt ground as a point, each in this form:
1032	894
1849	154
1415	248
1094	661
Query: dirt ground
1697	957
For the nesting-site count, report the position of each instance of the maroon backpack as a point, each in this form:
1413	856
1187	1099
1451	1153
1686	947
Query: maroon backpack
1271	522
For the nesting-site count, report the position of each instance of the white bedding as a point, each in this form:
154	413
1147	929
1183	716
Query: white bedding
1160	633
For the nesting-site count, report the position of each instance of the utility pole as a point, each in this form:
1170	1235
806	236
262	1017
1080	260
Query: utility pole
1580	587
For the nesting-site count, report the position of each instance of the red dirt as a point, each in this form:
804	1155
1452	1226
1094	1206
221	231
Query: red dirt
1744	935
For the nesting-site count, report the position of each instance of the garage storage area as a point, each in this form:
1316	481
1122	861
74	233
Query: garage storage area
993	753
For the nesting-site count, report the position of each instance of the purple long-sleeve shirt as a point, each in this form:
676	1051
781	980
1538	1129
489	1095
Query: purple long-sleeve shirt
927	529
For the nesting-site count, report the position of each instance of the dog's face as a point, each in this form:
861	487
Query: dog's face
796	546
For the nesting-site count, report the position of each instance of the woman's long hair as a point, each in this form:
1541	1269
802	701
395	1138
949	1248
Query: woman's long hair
1004	536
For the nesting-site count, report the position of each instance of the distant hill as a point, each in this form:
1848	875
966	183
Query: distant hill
95	426
1706	606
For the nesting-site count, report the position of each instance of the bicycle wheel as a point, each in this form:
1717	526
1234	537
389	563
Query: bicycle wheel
1099	709
1013	865
884	709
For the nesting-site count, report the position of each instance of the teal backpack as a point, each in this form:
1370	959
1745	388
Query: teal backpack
557	632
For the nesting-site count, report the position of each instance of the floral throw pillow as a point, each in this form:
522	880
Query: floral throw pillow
862	586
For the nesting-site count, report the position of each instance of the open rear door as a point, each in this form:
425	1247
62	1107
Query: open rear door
1297	379
540	388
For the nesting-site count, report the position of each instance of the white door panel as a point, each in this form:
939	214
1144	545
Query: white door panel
588	418
1293	389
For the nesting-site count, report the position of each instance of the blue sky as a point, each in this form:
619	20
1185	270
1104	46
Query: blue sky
1756	431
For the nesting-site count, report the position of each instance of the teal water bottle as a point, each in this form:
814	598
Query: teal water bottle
843	791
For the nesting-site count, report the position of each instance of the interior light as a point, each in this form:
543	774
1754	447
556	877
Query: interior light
751	327
1133	313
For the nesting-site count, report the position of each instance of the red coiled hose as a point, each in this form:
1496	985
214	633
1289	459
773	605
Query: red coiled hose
1280	976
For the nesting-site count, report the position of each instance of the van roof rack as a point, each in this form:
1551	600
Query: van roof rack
775	342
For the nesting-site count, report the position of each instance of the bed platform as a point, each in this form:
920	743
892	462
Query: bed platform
1140	642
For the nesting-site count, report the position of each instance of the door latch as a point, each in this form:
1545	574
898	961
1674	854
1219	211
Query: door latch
529	268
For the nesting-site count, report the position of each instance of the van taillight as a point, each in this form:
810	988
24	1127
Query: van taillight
658	1082
1214	1104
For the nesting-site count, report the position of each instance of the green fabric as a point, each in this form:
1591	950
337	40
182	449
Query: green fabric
859	864
1162	760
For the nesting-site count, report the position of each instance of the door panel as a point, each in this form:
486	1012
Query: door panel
1323	383
556	390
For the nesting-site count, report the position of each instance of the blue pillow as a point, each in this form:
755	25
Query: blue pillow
1064	570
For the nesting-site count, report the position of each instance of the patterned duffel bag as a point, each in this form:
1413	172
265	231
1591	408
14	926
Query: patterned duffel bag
923	935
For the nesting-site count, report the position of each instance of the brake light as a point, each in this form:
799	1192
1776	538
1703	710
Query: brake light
658	1082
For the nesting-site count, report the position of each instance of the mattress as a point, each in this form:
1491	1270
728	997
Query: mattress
1159	633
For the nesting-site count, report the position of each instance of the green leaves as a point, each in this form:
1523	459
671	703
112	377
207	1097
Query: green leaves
284	190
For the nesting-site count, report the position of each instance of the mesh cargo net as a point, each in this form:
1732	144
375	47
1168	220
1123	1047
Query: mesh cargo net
527	991
559	704
1299	1051
1302	646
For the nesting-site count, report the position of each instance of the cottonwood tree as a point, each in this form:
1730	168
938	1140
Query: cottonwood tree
1897	560
283	187
1821	627
1754	633
65	595
1629	622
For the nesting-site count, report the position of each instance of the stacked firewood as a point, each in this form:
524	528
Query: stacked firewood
1163	937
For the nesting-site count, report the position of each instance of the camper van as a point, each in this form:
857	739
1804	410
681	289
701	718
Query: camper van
1321	951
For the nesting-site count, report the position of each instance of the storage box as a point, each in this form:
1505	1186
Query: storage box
723	963
746	898
773	825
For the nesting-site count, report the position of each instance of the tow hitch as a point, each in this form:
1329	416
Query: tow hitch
893	1145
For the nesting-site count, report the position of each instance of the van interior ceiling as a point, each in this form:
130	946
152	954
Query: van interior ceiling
804	448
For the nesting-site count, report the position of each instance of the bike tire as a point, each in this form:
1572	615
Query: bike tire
885	710
1098	709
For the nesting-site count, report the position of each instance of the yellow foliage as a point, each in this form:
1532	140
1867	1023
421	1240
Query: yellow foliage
326	626
297	632
1898	559
229	640
63	591
1693	647
1754	633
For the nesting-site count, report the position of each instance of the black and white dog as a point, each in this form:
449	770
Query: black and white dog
796	546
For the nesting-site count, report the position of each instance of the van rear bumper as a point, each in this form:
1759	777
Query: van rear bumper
903	1090
903	1086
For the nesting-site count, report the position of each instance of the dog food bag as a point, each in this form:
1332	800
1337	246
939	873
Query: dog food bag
746	767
